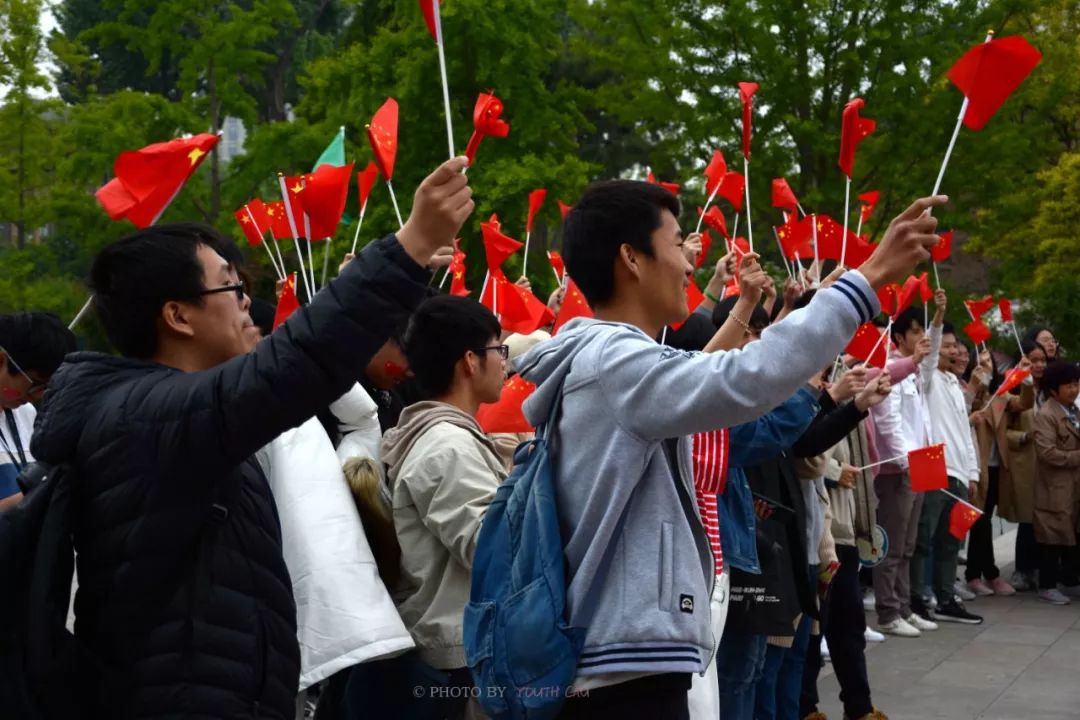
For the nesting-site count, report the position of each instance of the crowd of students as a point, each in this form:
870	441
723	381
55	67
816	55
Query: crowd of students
264	519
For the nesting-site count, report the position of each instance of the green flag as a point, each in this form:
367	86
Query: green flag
334	154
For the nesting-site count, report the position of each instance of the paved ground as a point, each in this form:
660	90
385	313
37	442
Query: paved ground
1022	662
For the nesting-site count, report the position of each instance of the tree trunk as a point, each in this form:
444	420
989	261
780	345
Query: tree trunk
215	160
20	221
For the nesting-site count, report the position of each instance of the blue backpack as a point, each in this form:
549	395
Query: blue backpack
522	653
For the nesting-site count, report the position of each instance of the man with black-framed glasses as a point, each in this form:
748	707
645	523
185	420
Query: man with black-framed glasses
32	346
184	599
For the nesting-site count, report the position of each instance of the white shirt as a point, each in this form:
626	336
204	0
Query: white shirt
902	423
951	426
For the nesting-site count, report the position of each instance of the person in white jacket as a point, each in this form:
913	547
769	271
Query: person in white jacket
345	615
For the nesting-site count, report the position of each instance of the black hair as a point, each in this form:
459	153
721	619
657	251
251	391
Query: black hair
440	332
906	322
1032	335
694	334
135	276
1029	346
947	328
1058	373
609	215
759	319
37	341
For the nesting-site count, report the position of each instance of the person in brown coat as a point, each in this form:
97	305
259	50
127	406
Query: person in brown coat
1057	488
982	574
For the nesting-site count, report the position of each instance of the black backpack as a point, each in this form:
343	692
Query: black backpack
43	668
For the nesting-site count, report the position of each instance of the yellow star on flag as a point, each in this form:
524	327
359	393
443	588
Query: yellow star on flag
194	156
296	190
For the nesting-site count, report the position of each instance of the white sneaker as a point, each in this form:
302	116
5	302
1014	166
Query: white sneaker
873	635
825	650
900	628
920	623
962	591
869	602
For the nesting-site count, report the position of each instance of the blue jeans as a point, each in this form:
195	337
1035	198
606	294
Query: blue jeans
777	694
738	666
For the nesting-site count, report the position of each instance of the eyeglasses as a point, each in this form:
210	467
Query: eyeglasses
35	388
238	288
503	350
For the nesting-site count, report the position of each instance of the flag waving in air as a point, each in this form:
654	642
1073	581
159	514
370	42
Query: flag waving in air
457	272
853	131
979	307
497	246
868	201
782	195
988	74
573	306
869	345
746	95
977	331
943	250
486	122
715	219
323	199
365	181
926	468
288	302
383	136
714	173
536	200
732	188
506	416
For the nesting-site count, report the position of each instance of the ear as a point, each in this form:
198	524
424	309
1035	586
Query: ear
470	364
175	318
629	259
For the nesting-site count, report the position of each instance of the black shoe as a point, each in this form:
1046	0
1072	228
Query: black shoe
918	606
955	612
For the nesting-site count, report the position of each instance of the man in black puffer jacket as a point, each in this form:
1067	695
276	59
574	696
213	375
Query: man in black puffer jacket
184	598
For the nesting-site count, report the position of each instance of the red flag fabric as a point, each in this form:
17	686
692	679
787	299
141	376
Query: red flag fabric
428	10
732	188
323	199
536	199
715	219
889	297
365	181
926	468
853	131
989	72
869	201
694	298
506	416
1013	378
287	303
714	172
866	340
977	331
926	293
294	188
961	517
943	250
796	237
782	195
486	122
831	240
457	272
518	309
557	264
1006	309
383	136
497	247
746	95
279	222
859	250
979	307
253	232
148	179
672	188
564	209
574	305
911	290
706	245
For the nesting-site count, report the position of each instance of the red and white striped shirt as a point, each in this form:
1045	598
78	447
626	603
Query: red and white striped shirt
710	457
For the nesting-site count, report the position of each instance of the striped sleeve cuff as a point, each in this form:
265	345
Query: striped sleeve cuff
862	297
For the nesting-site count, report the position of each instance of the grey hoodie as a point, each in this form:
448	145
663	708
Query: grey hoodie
623	395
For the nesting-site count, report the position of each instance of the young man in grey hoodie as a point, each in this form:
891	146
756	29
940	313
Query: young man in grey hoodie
629	406
443	473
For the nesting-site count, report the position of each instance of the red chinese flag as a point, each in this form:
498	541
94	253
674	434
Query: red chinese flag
853	131
457	272
1006	309
796	237
293	189
979	307
746	95
988	73
148	179
258	211
279	223
365	181
536	199
429	10
714	172
694	298
573	306
910	291
672	188
557	264
859	250
1013	378
889	297
287	303
961	517
486	122
506	416
732	188
252	231
926	468
926	293
518	309
323	199
869	201
706	246
782	195
715	219
943	250
866	340
564	209
497	247
383	136
977	331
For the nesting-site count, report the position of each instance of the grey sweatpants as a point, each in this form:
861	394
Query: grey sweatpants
898	514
